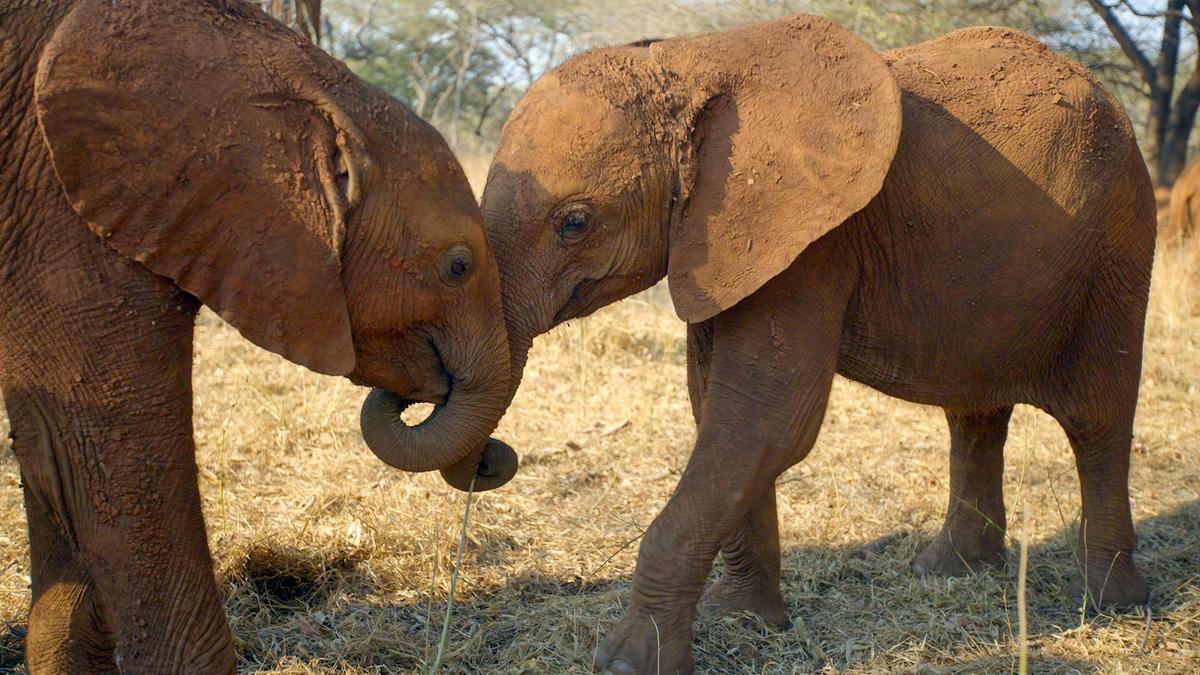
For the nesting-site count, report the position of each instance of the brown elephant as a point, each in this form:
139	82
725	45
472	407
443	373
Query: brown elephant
964	223
222	160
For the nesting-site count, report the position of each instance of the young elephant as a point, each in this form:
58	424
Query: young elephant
221	159
964	223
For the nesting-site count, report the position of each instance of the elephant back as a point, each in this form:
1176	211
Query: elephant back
1016	95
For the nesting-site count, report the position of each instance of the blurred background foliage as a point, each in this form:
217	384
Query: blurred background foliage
463	64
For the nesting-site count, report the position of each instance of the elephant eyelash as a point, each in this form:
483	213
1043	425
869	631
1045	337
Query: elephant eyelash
573	227
570	209
341	171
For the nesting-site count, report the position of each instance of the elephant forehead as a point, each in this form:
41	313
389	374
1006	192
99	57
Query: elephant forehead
561	130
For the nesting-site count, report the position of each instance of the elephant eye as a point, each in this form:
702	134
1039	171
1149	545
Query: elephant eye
456	265
573	225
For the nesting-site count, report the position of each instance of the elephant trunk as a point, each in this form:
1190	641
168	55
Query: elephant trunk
498	463
454	438
495	466
520	344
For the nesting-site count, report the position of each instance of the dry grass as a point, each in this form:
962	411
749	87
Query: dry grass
330	562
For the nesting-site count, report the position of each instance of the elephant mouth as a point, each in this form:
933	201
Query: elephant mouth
439	392
590	295
577	303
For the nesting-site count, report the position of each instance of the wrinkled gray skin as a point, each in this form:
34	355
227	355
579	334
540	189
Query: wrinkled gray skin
964	223
221	160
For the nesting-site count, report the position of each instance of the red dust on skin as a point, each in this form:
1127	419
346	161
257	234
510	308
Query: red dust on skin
162	154
966	223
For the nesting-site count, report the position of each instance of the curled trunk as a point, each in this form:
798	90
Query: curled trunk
494	465
454	438
496	462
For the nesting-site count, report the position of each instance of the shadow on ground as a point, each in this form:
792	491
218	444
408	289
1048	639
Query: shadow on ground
853	609
856	608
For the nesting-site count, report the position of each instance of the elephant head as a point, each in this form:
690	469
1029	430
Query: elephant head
712	159
311	211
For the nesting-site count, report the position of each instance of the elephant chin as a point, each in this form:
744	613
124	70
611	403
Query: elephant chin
493	466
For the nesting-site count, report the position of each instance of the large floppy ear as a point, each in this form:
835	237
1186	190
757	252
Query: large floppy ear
198	138
793	125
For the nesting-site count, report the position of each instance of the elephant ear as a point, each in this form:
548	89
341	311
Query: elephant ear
197	139
793	125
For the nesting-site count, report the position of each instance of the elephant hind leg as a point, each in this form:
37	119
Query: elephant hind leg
750	580
1107	576
1094	397
67	629
972	537
1102	441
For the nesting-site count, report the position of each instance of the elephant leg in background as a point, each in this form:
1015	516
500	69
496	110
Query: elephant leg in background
67	630
750	579
973	535
771	372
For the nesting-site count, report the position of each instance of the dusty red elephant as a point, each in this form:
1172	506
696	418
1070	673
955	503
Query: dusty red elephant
964	223
221	160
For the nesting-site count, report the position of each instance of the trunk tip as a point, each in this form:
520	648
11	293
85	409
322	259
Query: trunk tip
492	467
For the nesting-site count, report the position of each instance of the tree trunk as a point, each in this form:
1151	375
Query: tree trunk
1159	148
302	16
1174	156
460	80
1171	116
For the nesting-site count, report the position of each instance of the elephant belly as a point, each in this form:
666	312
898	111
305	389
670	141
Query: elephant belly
955	341
970	305
969	295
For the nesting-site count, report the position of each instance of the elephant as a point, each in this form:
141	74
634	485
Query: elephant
964	223
1184	206
160	154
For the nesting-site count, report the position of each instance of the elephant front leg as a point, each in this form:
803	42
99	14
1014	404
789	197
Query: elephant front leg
67	630
750	581
764	401
972	537
102	430
130	569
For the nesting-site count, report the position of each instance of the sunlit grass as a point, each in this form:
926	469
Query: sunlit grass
331	562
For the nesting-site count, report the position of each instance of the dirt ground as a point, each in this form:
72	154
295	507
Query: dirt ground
331	562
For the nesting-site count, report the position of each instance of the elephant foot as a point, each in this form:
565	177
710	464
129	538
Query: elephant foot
757	594
642	643
944	557
1112	582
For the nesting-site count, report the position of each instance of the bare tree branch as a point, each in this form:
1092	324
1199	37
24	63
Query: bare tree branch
1125	40
1178	14
1194	15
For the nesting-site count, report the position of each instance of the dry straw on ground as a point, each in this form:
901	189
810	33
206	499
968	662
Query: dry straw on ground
330	562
